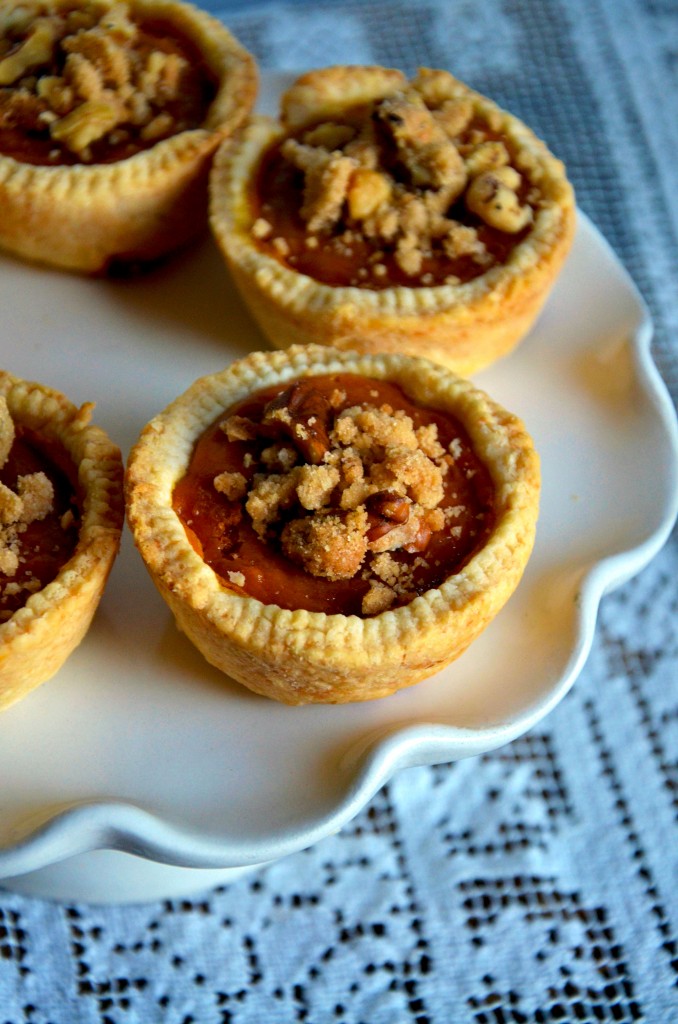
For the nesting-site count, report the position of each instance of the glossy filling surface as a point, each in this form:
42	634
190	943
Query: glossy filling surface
335	494
33	550
92	85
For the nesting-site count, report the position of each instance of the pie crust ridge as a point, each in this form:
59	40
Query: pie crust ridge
300	657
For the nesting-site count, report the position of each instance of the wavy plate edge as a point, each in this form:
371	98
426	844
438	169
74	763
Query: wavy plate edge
123	826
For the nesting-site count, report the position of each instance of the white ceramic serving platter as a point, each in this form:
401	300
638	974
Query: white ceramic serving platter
139	771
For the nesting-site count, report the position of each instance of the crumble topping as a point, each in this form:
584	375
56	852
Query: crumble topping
415	176
368	481
352	485
89	82
232	485
31	500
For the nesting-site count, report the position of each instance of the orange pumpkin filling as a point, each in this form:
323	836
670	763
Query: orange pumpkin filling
39	518
335	494
91	84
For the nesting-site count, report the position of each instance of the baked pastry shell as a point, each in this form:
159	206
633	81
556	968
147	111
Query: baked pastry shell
89	217
38	638
300	657
464	327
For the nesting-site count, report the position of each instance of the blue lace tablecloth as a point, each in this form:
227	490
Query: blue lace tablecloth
537	883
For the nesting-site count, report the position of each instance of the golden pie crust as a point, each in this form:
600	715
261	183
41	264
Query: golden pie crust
298	656
91	217
40	636
464	326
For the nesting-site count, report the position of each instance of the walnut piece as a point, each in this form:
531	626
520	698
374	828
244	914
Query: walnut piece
302	413
493	196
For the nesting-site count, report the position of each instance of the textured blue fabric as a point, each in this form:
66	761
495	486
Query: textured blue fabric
534	884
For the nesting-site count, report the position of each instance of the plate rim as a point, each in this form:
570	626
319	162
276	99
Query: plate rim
121	825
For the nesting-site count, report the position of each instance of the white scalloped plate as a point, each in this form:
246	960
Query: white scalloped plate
138	747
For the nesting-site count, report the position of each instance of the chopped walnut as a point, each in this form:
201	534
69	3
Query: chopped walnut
85	124
425	149
493	195
414	535
302	413
36	49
